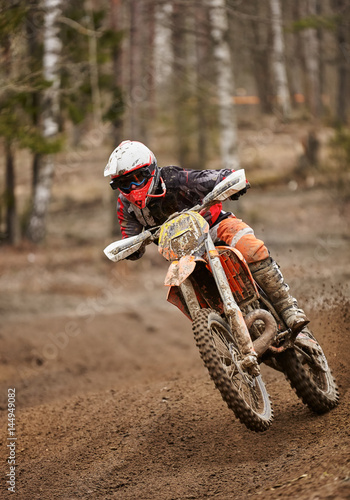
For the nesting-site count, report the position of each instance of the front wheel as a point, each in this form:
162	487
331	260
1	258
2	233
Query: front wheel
245	396
311	378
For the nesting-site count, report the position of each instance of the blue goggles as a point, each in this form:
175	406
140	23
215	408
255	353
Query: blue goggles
137	178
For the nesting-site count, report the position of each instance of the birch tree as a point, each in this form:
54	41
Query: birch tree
278	60
50	118
225	84
163	62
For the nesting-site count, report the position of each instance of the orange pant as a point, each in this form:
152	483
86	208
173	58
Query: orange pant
239	235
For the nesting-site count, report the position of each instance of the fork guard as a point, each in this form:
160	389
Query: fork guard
178	272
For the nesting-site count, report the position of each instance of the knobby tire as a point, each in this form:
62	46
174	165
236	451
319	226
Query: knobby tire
318	391
255	419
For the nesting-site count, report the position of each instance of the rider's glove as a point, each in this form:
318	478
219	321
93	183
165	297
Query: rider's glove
240	193
137	255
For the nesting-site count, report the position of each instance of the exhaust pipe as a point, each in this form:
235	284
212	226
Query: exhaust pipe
262	343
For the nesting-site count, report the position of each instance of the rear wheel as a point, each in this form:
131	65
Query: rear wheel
311	378
245	396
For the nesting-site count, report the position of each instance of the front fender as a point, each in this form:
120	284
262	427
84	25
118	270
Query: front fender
181	269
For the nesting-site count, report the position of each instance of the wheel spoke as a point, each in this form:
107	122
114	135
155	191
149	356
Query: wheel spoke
315	388
222	345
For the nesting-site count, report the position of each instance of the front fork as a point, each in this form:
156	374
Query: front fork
231	309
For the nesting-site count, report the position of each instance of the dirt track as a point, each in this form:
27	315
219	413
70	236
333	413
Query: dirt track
112	397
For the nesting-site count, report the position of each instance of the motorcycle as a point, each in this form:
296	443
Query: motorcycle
235	326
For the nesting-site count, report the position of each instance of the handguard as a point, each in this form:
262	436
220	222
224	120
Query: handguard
235	196
230	186
119	250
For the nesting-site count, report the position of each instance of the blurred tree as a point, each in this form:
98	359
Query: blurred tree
136	91
6	120
278	60
88	86
34	14
12	230
133	67
225	84
311	55
203	67
116	25
342	11
260	50
33	93
93	65
180	82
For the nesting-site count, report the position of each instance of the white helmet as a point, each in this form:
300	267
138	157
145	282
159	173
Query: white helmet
133	170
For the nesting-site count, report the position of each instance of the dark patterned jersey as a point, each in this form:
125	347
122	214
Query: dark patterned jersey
184	189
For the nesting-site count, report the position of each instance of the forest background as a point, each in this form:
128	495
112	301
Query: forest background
112	399
203	84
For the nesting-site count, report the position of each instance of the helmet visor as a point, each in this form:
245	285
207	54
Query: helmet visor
137	178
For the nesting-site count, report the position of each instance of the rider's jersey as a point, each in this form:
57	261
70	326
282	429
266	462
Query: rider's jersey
184	189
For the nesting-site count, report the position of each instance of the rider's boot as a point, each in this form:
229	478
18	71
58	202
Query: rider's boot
269	277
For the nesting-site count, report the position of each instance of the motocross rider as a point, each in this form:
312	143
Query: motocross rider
148	195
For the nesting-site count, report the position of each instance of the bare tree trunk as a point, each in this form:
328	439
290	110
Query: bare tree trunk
162	43
141	65
202	67
148	78
278	56
136	89
95	87
299	50
321	52
341	8
312	60
296	58
10	199
34	51
117	25
35	171
225	84
181	83
261	57
180	89
9	195
50	117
